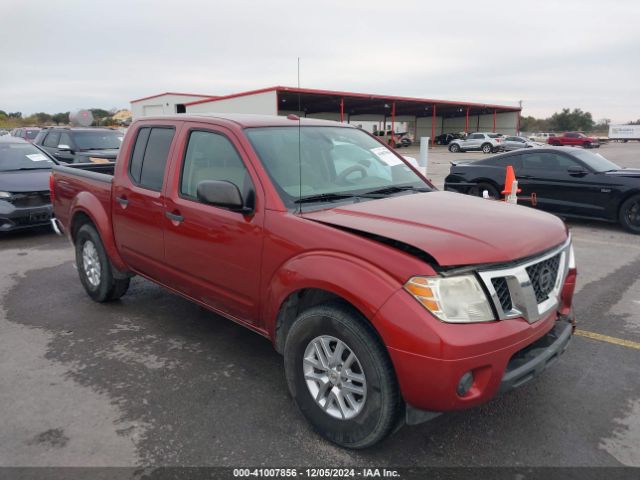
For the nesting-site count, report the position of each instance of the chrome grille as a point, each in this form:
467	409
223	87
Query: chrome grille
543	277
502	290
528	289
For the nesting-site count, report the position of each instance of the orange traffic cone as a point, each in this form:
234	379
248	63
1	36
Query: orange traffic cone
508	181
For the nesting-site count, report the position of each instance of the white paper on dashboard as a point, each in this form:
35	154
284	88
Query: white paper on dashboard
37	157
386	156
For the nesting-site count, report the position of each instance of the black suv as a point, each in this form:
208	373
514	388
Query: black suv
80	145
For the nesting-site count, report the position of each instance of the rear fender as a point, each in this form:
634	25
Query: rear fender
88	204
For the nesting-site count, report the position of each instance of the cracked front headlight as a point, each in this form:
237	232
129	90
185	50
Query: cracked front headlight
456	299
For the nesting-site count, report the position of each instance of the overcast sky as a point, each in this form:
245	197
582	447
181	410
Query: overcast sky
61	55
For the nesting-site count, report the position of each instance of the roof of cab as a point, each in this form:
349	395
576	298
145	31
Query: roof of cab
246	120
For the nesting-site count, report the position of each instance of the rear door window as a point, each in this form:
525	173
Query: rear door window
149	156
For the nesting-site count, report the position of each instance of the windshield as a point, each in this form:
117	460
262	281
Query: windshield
335	161
595	161
22	156
98	140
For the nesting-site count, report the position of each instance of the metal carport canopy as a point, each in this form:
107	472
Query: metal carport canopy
313	101
351	103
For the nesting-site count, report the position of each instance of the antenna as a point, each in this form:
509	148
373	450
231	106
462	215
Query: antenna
299	143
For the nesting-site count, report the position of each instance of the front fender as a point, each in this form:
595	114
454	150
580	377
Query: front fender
88	204
360	283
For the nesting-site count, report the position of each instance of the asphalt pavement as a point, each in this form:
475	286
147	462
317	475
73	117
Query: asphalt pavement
156	380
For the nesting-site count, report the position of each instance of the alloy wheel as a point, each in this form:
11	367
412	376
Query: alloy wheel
334	377
91	263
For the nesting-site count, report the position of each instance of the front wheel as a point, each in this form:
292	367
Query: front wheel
94	268
629	216
454	148
340	376
586	145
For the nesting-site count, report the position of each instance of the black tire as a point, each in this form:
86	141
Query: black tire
477	190
486	148
586	145
454	148
382	404
629	214
107	287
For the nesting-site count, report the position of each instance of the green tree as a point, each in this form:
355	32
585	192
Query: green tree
62	117
42	118
567	120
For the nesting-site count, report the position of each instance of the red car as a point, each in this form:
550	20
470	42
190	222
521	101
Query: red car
574	139
27	133
390	301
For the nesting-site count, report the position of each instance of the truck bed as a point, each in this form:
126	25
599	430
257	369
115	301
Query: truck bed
81	179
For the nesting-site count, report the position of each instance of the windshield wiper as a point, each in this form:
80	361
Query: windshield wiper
325	197
391	190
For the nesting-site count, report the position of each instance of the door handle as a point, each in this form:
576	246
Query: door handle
174	217
122	201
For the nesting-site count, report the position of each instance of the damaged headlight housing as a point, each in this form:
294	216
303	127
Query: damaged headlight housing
455	299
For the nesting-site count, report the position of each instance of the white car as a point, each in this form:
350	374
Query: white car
541	137
485	142
515	143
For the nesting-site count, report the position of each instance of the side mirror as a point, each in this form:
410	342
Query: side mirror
64	148
577	170
221	194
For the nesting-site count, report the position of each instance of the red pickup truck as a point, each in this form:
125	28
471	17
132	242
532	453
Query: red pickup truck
574	139
391	301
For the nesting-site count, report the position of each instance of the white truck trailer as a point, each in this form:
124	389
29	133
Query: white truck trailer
624	133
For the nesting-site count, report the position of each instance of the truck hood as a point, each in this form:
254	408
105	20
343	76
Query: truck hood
625	172
454	229
25	181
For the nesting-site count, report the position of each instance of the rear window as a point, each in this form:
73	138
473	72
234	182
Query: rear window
98	139
149	156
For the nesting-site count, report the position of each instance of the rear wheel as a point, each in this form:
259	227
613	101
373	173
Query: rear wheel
629	216
477	190
487	148
94	268
454	148
340	376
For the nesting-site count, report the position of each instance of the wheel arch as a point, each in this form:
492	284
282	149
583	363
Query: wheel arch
623	198
315	279
88	210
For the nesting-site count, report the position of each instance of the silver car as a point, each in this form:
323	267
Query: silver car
515	143
485	142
